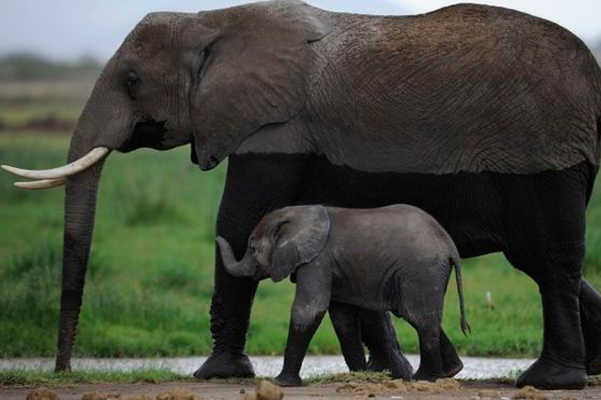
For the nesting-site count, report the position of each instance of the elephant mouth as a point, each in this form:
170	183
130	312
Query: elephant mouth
149	133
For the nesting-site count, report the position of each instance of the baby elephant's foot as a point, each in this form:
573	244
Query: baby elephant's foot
396	363
451	369
422	375
402	370
288	379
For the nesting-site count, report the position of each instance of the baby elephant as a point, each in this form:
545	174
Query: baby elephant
395	258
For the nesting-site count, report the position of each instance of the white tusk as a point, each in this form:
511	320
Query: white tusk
42	184
73	168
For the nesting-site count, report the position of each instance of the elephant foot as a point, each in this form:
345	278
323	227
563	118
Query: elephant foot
62	365
376	364
551	376
422	375
398	366
593	349
450	370
225	365
288	380
593	367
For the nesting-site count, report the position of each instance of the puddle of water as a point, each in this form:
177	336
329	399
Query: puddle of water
474	367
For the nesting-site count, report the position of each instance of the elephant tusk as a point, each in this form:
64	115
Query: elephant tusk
41	184
73	168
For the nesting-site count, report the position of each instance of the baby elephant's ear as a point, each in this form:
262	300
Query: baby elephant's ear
299	240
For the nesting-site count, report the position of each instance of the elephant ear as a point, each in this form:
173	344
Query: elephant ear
299	240
257	72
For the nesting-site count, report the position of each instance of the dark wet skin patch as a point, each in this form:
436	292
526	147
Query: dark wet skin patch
473	207
147	133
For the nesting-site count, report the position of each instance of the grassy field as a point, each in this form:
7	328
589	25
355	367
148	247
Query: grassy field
151	272
39	378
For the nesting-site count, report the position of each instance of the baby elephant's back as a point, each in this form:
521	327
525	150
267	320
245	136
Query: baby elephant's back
389	234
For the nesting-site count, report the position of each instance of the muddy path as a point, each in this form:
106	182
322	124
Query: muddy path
445	389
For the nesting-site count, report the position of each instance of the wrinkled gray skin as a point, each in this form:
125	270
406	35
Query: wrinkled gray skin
395	258
485	117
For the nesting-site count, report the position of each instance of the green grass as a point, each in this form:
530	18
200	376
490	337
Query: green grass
150	277
39	378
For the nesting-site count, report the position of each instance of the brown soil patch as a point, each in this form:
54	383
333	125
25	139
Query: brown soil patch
529	392
488	394
442	389
101	396
177	394
400	386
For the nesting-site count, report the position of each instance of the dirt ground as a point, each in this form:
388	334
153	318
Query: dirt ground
445	389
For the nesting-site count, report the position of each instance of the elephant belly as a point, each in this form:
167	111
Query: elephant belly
372	300
472	207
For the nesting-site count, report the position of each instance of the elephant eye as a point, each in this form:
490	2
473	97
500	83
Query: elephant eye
131	82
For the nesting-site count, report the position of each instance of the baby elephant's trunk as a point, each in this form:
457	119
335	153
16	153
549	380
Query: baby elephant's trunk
239	269
465	327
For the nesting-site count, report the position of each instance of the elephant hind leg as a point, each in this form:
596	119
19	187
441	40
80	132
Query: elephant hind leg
544	237
380	338
557	271
590	315
430	364
345	319
451	363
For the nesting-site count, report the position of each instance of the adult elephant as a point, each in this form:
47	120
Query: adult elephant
487	118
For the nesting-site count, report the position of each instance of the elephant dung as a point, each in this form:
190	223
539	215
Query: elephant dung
266	391
42	394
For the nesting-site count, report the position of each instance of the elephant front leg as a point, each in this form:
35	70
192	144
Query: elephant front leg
230	312
254	186
311	300
590	315
303	325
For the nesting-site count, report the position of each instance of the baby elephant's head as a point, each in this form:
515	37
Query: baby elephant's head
282	241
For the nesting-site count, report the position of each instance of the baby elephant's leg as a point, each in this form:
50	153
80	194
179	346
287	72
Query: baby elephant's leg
451	364
430	365
303	325
379	336
345	319
311	301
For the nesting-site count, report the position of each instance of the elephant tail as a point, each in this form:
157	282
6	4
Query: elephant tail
465	327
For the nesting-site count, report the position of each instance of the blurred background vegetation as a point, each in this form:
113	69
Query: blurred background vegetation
150	277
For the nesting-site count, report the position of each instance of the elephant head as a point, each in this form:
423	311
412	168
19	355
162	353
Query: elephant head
210	79
281	242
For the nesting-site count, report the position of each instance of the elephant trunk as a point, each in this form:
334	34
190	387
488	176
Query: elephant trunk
240	269
80	207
